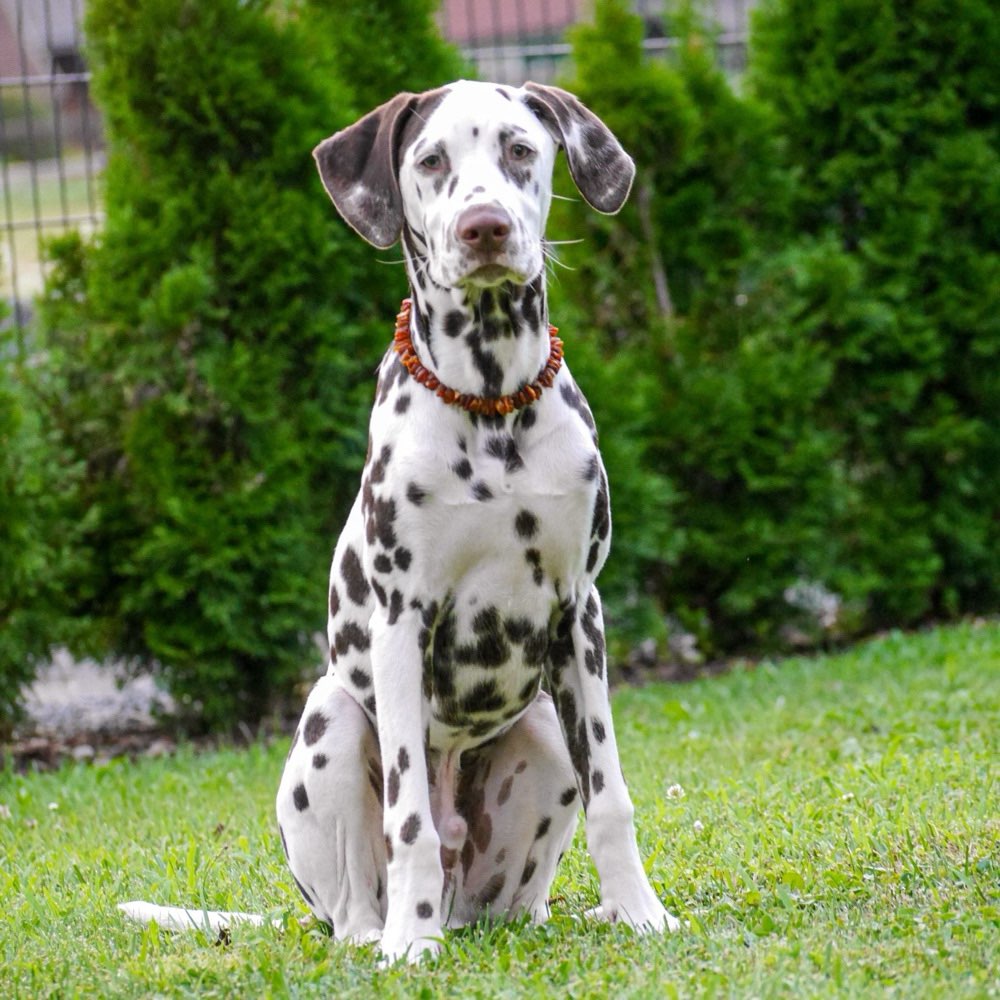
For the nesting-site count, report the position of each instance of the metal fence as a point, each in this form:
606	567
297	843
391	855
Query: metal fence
51	149
511	41
50	142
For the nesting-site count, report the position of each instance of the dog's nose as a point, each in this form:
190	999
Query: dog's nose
484	228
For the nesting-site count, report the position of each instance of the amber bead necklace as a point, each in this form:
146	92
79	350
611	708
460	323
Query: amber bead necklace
483	405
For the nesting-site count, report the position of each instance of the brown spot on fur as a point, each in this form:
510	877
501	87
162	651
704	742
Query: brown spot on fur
505	788
492	889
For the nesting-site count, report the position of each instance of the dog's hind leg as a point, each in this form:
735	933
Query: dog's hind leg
330	814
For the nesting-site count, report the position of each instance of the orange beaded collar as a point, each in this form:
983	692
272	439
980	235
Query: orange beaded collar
487	406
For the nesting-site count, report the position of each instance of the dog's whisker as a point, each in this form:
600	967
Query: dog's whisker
552	259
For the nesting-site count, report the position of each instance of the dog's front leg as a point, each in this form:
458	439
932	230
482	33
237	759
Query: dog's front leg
578	677
415	877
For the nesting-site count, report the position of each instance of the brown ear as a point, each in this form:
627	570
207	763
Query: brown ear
358	167
600	168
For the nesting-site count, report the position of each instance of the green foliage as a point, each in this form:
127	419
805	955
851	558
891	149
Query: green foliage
823	827
708	186
889	115
681	293
623	392
217	341
23	550
409	52
789	334
38	527
799	300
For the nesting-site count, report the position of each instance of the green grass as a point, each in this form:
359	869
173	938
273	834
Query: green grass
835	834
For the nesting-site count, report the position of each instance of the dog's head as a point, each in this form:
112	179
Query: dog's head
467	170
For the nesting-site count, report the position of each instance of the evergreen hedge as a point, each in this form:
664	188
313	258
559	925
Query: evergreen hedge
799	297
25	554
219	338
889	113
789	335
727	486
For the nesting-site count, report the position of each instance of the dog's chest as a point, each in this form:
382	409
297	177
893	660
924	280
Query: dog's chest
487	505
496	519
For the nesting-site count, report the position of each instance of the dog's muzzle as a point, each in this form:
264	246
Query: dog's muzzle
483	233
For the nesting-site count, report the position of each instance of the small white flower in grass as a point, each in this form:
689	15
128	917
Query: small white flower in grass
53	806
675	792
699	827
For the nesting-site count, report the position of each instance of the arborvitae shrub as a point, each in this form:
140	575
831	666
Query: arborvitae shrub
26	554
802	288
218	339
890	118
381	47
725	485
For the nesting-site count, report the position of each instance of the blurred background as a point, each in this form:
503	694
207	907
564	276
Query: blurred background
789	336
51	135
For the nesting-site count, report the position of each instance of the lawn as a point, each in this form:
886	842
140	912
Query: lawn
825	827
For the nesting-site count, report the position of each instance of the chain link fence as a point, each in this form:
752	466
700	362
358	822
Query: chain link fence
51	148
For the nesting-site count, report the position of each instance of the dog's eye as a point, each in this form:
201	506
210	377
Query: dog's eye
432	162
519	151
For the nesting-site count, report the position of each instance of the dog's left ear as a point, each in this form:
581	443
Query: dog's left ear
359	171
600	168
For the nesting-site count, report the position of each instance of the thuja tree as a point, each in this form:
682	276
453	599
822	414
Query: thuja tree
213	349
29	547
381	48
890	114
727	486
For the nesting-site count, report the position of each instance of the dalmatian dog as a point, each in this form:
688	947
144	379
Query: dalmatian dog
432	780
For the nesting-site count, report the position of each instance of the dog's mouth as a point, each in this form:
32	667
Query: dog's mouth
510	265
490	275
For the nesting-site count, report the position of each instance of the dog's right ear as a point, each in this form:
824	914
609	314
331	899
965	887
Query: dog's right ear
358	166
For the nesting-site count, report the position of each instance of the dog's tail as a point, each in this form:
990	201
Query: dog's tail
180	918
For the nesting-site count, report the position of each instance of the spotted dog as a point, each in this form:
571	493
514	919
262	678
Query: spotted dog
432	779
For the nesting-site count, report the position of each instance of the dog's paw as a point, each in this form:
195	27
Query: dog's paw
646	916
362	938
539	912
402	948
